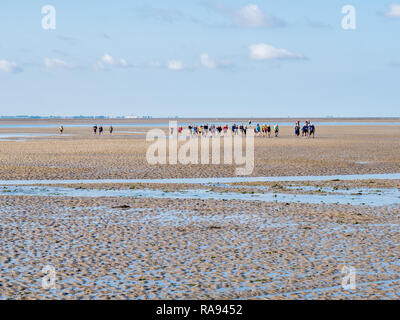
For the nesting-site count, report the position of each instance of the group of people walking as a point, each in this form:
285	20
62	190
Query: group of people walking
100	129
235	129
265	130
204	130
96	129
308	129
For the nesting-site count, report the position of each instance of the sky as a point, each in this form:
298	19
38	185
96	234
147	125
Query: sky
211	58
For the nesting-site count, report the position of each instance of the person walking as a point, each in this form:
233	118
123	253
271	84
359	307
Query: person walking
258	129
304	130
312	130
276	129
297	129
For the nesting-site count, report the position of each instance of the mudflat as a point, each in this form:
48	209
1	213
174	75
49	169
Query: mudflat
204	240
79	154
113	248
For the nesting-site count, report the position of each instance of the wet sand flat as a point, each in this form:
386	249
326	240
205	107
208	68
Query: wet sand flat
79	154
113	248
150	243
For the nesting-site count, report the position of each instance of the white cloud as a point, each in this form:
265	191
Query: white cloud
175	65
51	63
250	16
262	51
394	11
107	59
207	61
8	66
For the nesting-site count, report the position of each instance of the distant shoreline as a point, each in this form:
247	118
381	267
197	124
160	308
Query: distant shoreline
188	120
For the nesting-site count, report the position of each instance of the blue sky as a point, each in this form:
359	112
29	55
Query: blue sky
200	58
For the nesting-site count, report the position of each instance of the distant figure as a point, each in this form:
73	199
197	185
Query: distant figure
276	129
312	130
95	129
212	129
257	130
111	129
304	130
269	131
264	130
100	130
61	129
297	129
205	129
